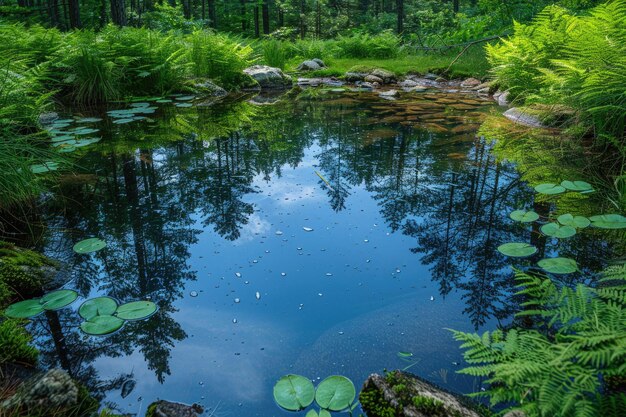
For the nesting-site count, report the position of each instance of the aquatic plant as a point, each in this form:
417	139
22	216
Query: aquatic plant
334	393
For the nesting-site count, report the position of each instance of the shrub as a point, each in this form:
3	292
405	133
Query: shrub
275	53
572	363
361	45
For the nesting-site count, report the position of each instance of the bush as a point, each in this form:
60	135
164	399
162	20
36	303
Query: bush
361	45
275	53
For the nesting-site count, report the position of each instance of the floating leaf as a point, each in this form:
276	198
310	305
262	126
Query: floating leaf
136	310
139	105
89	245
558	231
62	138
88	120
67	148
324	413
517	250
84	142
609	221
579	222
405	354
311	413
294	392
24	309
335	393
85	131
550	189
558	265
524	216
58	299
101	325
164	100
123	121
183	104
45	167
99	306
577	185
185	98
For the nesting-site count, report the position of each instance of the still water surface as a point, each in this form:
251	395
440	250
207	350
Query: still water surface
318	235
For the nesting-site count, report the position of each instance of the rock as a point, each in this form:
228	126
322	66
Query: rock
309	65
386	76
268	77
404	395
54	389
352	77
209	88
481	86
319	62
164	408
408	84
388	93
502	98
483	91
517	115
470	82
431	76
373	79
365	85
515	413
48	118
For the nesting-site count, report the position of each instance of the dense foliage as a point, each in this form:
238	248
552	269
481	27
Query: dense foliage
570	60
571	362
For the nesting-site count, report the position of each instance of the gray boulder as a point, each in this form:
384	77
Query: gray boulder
209	88
319	62
470	82
48	118
519	116
164	408
352	77
388	93
269	77
54	389
386	76
309	65
502	98
408	83
373	79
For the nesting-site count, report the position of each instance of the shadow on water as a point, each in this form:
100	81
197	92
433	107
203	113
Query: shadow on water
186	199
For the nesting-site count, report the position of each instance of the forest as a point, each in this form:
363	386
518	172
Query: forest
312	208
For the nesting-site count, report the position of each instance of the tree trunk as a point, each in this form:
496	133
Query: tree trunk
75	14
455	6
318	20
212	14
53	12
242	10
187	9
302	15
103	14
266	17
256	20
400	14
281	17
118	12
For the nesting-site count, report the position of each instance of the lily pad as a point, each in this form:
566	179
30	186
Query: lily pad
325	413
99	306
45	167
136	310
67	148
124	121
62	138
56	300
550	189
24	309
524	216
139	105
335	393
85	131
89	245
558	265
294	392
517	249
164	100
609	221
558	231
88	120
185	98
183	104
311	413
101	325
577	185
85	142
580	222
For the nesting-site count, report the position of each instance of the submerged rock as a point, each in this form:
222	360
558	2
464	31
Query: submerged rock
388	93
405	395
269	77
164	408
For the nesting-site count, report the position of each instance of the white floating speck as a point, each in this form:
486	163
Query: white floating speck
340	332
278	233
237	300
365	240
238	274
432	298
307	229
235	321
328	274
283	274
258	295
320	294
193	293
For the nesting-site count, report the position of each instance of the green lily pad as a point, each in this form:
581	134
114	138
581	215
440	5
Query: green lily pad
294	392
56	300
550	189
558	265
124	121
609	221
164	100
405	354
88	120
44	167
580	222
136	310
311	413
99	306
24	309
85	142
577	185
183	104
517	250
62	138
139	105
558	231
185	98
324	413
335	393
85	131
89	245
524	216
101	325
67	148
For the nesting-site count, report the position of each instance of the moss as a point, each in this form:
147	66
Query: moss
150	410
429	406
375	404
14	344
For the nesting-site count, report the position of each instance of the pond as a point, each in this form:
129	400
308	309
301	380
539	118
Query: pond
318	234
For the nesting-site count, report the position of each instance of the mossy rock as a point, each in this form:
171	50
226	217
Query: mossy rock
23	273
400	394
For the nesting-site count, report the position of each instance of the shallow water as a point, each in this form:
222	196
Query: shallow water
203	208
